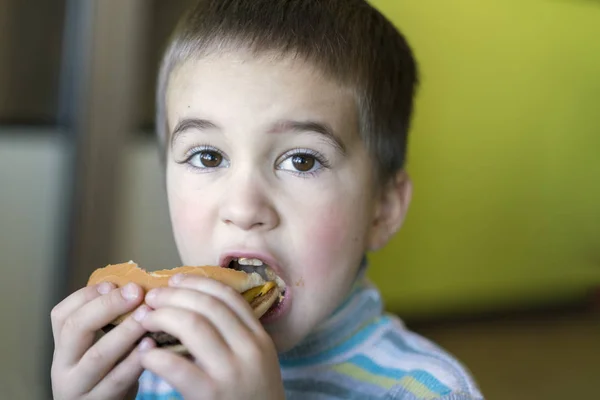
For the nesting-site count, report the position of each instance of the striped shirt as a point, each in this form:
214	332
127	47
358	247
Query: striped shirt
360	352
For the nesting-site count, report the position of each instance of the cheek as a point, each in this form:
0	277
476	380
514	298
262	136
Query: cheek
329	227
335	239
190	218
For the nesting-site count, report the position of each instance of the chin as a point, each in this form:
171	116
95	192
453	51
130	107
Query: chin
287	336
283	342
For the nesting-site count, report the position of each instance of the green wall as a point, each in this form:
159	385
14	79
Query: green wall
504	154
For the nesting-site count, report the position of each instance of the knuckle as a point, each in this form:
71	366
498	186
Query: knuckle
130	327
117	381
178	371
109	301
265	341
259	349
60	384
56	314
55	375
211	303
211	390
253	354
234	371
94	356
194	321
229	291
71	324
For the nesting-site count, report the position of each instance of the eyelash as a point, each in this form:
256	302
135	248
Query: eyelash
299	151
290	153
194	151
203	147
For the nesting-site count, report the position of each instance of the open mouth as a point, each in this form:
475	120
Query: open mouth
255	265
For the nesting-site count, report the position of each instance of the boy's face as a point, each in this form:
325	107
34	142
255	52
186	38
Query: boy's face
267	162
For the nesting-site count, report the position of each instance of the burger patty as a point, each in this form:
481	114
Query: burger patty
162	339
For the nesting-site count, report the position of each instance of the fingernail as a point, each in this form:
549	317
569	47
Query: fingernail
145	344
151	295
140	313
176	279
130	292
105	287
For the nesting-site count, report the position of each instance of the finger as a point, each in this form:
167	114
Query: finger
104	354
125	375
195	331
75	301
227	322
79	329
226	294
179	372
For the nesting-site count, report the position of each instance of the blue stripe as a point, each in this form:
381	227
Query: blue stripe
421	376
450	365
162	396
148	383
430	381
354	341
369	365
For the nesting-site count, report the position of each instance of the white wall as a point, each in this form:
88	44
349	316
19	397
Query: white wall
31	189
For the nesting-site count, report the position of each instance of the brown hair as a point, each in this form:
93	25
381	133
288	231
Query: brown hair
348	40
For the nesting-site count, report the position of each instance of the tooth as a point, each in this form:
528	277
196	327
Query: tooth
250	261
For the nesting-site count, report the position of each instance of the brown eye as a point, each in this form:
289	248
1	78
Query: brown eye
211	159
303	163
208	159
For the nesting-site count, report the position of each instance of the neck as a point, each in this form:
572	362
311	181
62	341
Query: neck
360	307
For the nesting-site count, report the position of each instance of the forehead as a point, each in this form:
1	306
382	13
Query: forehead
238	86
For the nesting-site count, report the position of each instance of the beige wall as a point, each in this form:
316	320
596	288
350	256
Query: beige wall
143	228
31	186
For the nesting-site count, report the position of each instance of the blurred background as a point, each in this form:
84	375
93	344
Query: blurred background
499	260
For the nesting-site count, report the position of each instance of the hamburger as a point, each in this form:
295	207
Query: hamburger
255	281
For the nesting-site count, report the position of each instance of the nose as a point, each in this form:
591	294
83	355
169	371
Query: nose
248	205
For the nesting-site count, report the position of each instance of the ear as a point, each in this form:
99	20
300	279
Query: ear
390	212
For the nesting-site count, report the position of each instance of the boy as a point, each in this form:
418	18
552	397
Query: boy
283	125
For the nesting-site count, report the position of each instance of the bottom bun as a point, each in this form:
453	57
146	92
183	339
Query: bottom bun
261	295
163	340
178	349
169	342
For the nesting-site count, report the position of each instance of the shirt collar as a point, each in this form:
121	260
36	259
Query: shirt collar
360	307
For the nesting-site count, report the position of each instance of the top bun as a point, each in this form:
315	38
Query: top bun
122	274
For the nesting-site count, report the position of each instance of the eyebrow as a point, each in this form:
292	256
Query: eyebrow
191	123
310	126
280	127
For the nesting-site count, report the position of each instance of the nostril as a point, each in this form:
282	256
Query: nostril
245	226
249	218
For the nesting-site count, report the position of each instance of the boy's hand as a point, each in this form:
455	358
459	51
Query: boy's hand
82	369
234	357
